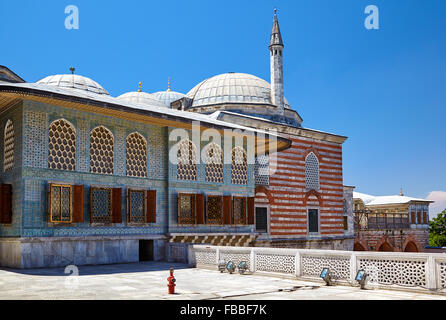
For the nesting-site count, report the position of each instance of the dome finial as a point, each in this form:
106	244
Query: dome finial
139	86
401	192
168	84
72	70
275	11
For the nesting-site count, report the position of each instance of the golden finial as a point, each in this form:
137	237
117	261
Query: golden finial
275	11
139	86
168	85
401	192
72	69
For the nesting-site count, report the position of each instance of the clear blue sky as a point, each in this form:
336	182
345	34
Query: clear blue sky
385	89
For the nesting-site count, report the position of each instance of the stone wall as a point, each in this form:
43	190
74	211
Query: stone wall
397	239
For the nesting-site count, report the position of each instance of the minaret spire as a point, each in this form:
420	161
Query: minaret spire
276	53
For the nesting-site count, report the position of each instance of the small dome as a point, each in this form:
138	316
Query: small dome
73	81
232	88
142	98
167	97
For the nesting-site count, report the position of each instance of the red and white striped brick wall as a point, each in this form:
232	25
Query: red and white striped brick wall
288	198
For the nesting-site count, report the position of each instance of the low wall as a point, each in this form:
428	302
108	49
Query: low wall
421	271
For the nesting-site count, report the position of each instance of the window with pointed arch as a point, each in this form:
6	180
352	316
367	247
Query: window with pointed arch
187	161
101	150
136	154
8	146
214	163
239	166
311	172
62	146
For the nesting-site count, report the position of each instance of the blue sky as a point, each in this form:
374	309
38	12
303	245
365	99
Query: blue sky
385	89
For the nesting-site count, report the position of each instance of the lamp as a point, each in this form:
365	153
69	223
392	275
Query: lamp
230	267
325	274
222	265
242	267
362	278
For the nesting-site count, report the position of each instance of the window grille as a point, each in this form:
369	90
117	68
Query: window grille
186	209
101	151
214	163
239	172
136	146
214	208
62	146
8	159
239	210
60	203
261	170
187	161
311	172
137	206
101	205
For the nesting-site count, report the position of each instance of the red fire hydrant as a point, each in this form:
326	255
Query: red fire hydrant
171	282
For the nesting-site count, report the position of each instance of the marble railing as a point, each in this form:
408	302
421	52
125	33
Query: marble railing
424	271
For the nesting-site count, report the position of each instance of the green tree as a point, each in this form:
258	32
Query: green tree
437	230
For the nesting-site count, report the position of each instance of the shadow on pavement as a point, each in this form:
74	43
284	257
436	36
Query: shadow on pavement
88	270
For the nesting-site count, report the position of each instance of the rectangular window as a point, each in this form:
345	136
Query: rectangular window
101	205
419	217
136	206
186	209
345	223
261	219
239	210
61	210
214	206
313	220
412	218
425	218
6	204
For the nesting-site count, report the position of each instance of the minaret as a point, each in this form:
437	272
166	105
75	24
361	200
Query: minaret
276	52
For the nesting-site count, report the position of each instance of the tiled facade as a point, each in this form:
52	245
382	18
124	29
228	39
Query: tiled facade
30	177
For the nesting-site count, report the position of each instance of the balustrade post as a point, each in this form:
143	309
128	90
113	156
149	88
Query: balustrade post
252	266
297	264
353	267
431	273
217	255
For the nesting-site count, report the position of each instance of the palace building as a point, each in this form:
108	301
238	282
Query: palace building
390	223
86	178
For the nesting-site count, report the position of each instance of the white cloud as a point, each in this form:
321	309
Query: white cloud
440	202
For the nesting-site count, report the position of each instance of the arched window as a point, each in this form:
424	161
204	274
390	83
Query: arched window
239	172
101	150
187	160
136	148
8	147
62	146
311	172
214	163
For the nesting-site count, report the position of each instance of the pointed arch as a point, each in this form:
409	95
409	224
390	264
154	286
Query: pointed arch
8	146
187	160
101	150
214	163
239	166
136	155
312	172
62	145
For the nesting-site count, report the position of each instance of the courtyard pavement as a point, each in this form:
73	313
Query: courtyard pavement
148	280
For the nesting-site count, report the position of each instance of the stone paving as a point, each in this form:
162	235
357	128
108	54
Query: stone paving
148	280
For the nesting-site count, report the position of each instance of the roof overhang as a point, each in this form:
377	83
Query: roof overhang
11	94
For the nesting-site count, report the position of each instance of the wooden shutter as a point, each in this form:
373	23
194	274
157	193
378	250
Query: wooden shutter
116	205
78	204
151	206
251	210
227	209
199	205
6	203
412	218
